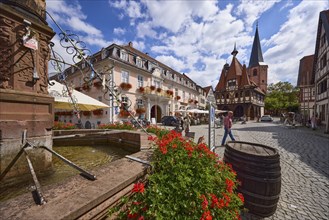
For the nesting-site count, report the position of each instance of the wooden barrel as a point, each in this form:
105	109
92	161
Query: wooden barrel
258	168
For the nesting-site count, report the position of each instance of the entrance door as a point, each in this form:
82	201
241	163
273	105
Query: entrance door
156	113
238	111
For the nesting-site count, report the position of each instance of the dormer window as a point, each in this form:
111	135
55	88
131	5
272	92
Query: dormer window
104	54
124	55
139	62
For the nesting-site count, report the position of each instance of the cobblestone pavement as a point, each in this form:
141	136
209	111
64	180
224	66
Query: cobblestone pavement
304	160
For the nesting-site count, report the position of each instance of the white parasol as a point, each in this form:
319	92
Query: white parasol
63	100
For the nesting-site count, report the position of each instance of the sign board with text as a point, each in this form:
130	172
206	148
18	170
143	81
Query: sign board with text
211	134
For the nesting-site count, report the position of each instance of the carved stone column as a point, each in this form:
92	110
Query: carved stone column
24	100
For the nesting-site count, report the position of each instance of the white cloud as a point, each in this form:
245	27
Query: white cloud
119	31
251	10
295	39
172	62
145	30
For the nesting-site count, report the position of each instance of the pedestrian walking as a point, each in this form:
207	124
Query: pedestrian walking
187	123
313	122
227	127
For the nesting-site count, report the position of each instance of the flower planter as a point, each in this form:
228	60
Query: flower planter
152	88
125	86
177	97
141	89
159	90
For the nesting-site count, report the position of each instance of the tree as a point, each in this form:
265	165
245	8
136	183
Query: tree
282	97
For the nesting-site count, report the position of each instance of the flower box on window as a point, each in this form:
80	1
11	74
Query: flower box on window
152	88
196	102
178	97
86	113
159	90
125	86
169	92
141	89
190	100
98	112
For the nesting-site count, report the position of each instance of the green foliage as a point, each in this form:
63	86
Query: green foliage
63	126
281	97
187	182
117	126
159	132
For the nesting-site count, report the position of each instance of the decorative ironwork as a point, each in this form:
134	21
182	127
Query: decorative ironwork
77	48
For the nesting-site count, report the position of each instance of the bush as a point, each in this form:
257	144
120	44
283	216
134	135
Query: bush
117	126
187	182
63	126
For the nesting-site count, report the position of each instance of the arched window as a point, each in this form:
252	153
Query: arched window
254	72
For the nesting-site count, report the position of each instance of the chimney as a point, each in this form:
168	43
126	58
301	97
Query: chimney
130	44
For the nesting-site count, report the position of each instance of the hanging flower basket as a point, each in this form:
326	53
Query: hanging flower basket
140	110
123	113
159	90
196	102
178	97
152	88
125	86
98	112
141	89
86	87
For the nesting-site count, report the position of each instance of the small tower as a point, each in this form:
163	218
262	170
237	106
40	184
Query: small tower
257	69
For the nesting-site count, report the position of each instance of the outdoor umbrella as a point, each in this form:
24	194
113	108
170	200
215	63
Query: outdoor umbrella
63	100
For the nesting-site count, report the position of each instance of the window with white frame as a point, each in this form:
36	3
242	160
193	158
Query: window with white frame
140	103
124	76
139	62
124	55
140	81
157	83
124	101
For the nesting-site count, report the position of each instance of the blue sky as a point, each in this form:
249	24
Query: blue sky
197	37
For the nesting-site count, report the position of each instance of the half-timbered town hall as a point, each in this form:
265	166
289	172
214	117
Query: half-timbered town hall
241	89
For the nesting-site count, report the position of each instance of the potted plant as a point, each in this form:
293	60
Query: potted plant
190	100
196	102
141	89
152	88
177	97
159	90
